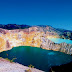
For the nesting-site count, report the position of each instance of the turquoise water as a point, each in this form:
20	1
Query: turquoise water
40	58
58	40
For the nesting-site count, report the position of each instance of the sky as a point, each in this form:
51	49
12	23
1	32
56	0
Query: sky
57	13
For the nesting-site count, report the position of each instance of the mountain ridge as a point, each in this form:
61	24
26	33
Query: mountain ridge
65	34
34	36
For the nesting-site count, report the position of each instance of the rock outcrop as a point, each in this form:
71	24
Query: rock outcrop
6	66
34	36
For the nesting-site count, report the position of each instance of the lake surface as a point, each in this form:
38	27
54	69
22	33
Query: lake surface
59	40
40	58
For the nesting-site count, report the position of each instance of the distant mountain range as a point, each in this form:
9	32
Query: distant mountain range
14	26
65	34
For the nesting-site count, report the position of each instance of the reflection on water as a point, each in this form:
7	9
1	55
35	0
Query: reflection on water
51	53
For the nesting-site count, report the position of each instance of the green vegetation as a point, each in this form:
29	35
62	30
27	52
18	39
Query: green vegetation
66	35
14	26
31	66
9	59
29	70
0	57
13	60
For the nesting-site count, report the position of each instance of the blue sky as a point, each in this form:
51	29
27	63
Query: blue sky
57	13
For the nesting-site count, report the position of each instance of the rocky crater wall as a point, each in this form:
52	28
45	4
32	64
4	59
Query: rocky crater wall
33	36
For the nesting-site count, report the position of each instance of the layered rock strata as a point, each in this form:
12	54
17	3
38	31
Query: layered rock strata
33	36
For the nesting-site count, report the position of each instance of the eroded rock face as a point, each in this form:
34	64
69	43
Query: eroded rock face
33	36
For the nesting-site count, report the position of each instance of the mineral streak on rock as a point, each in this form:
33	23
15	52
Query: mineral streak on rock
34	36
7	44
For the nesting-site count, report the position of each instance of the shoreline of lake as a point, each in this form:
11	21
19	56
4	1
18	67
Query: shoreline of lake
8	66
40	58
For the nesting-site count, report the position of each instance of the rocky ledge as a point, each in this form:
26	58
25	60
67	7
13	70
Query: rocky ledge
6	66
36	36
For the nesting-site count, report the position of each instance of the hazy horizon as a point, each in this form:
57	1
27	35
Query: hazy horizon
37	25
56	13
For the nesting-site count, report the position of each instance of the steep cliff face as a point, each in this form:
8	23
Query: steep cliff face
34	36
